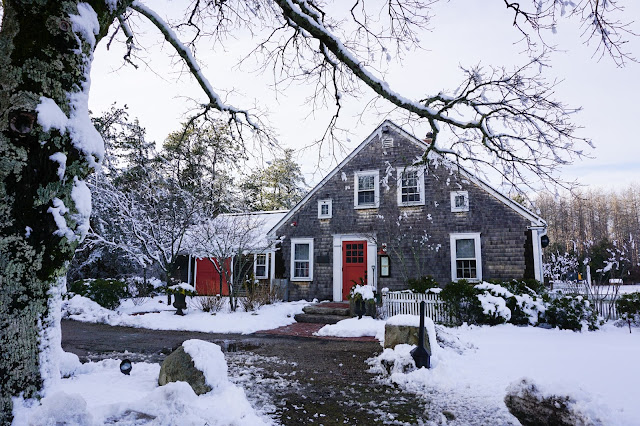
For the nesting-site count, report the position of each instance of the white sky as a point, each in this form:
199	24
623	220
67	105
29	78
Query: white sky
465	32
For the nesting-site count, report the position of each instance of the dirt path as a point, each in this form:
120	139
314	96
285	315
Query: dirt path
293	380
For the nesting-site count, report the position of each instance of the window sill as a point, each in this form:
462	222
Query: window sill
372	206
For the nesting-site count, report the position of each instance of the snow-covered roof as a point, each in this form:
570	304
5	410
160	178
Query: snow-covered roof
264	220
536	221
228	233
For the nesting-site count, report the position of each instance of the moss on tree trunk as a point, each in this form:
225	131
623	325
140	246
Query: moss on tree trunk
42	54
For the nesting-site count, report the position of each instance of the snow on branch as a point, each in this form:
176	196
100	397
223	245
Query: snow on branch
237	115
507	119
598	22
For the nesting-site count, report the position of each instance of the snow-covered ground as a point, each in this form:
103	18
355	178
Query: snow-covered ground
156	315
97	393
472	371
472	368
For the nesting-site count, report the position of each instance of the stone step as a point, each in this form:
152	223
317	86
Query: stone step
319	319
326	310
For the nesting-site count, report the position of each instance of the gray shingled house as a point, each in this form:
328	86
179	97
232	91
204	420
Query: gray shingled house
378	218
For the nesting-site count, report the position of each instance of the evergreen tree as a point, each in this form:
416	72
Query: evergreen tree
278	186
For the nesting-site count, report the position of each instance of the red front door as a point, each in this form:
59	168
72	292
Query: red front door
354	265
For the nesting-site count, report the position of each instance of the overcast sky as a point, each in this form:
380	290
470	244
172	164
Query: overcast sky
464	32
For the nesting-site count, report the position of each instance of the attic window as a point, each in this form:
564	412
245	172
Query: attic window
459	201
325	209
387	142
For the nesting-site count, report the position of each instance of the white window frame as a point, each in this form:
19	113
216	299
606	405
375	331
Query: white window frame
266	266
295	241
328	203
464	194
420	171
466	236
376	189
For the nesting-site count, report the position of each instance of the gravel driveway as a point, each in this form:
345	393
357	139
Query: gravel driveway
293	380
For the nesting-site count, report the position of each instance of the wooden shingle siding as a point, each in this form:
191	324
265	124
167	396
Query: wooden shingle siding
420	245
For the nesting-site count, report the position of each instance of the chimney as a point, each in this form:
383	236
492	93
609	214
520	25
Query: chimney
429	138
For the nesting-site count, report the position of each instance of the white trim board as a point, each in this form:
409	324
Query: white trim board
372	260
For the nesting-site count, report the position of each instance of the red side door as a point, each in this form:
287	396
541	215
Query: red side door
354	265
208	280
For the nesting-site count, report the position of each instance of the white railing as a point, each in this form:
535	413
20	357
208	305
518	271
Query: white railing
406	302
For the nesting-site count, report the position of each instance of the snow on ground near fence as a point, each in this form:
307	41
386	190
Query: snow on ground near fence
156	315
598	369
97	393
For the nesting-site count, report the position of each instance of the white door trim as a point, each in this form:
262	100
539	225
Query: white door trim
372	260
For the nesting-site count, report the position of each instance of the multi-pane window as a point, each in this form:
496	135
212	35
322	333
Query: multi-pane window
465	257
261	266
324	209
460	201
301	259
410	187
354	253
366	189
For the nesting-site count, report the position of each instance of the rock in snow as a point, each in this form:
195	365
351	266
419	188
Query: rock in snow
186	364
533	408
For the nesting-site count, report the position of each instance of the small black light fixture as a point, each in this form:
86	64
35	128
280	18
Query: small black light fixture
544	241
126	366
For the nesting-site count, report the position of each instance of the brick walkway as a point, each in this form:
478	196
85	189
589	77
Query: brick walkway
302	329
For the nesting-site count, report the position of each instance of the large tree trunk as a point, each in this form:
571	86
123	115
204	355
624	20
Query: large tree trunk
46	49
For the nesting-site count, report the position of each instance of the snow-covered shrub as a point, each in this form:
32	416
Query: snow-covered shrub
422	284
571	313
628	307
490	303
182	288
365	294
106	292
461	300
524	303
140	289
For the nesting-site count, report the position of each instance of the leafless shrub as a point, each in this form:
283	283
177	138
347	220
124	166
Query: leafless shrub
208	303
259	295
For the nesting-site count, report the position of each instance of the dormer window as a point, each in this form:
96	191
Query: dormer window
366	190
460	201
325	209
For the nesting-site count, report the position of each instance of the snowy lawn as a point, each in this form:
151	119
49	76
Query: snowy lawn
473	369
97	393
156	315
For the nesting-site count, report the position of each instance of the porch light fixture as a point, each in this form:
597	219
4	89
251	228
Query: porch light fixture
544	241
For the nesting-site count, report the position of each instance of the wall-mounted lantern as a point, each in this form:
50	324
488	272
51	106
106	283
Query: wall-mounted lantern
544	241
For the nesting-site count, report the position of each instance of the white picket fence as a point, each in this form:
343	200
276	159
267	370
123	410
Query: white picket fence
406	302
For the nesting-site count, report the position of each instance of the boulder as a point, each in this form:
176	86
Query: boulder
179	366
407	334
533	408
